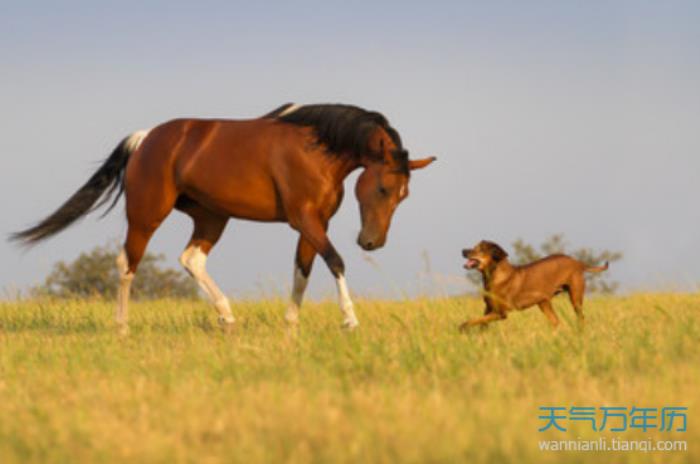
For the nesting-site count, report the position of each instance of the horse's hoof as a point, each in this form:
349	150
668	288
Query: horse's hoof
227	327
464	327
292	319
123	330
350	324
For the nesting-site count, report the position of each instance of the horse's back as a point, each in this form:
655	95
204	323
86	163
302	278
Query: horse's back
226	165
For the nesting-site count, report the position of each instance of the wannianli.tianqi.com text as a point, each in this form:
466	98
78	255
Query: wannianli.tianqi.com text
614	444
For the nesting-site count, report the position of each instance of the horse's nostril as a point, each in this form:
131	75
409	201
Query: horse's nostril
369	245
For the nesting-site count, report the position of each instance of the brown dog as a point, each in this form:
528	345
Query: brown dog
508	287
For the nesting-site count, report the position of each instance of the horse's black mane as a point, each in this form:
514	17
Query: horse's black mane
343	129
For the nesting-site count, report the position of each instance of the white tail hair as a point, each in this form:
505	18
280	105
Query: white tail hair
134	140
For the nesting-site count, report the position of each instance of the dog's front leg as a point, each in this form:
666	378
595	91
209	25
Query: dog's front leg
482	321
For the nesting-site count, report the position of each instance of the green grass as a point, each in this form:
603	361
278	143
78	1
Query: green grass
405	387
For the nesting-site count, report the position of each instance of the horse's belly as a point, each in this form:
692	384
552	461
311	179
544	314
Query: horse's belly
233	186
244	203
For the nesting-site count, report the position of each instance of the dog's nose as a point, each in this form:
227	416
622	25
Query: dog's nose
466	251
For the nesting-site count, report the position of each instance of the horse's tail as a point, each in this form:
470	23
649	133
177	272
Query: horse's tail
96	192
602	268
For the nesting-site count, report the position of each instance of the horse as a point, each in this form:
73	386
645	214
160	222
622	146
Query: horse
286	166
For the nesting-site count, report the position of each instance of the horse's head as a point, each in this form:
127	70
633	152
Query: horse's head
381	187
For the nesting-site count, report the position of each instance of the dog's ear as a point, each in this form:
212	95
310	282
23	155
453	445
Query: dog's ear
497	253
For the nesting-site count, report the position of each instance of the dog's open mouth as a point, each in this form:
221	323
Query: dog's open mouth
471	263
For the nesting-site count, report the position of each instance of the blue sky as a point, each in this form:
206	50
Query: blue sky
547	117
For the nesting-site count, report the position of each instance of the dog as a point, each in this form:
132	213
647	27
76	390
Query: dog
508	287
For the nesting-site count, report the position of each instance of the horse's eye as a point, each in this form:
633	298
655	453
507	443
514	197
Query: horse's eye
383	191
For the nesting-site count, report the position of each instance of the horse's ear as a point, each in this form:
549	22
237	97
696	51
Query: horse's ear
420	163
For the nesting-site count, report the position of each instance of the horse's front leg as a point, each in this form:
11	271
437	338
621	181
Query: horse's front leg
314	231
302	269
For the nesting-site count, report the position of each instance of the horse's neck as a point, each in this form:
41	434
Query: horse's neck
342	167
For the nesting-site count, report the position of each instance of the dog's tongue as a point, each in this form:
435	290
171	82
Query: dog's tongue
471	263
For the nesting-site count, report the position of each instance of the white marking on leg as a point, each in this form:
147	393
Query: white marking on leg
125	279
346	306
292	315
289	110
194	260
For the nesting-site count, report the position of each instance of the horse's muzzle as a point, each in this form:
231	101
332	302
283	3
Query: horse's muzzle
369	244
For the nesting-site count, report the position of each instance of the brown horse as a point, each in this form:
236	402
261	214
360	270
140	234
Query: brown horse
287	166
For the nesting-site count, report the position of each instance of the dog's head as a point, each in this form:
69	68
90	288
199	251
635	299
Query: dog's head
485	255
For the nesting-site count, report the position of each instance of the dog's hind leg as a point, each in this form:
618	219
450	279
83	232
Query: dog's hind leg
546	307
576	288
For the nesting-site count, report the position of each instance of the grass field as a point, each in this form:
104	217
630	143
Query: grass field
405	387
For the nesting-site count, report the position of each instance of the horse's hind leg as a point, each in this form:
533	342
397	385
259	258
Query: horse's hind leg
148	203
208	228
137	238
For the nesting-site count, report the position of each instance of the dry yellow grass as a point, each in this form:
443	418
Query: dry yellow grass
406	387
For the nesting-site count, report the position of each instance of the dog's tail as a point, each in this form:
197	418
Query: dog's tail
602	268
